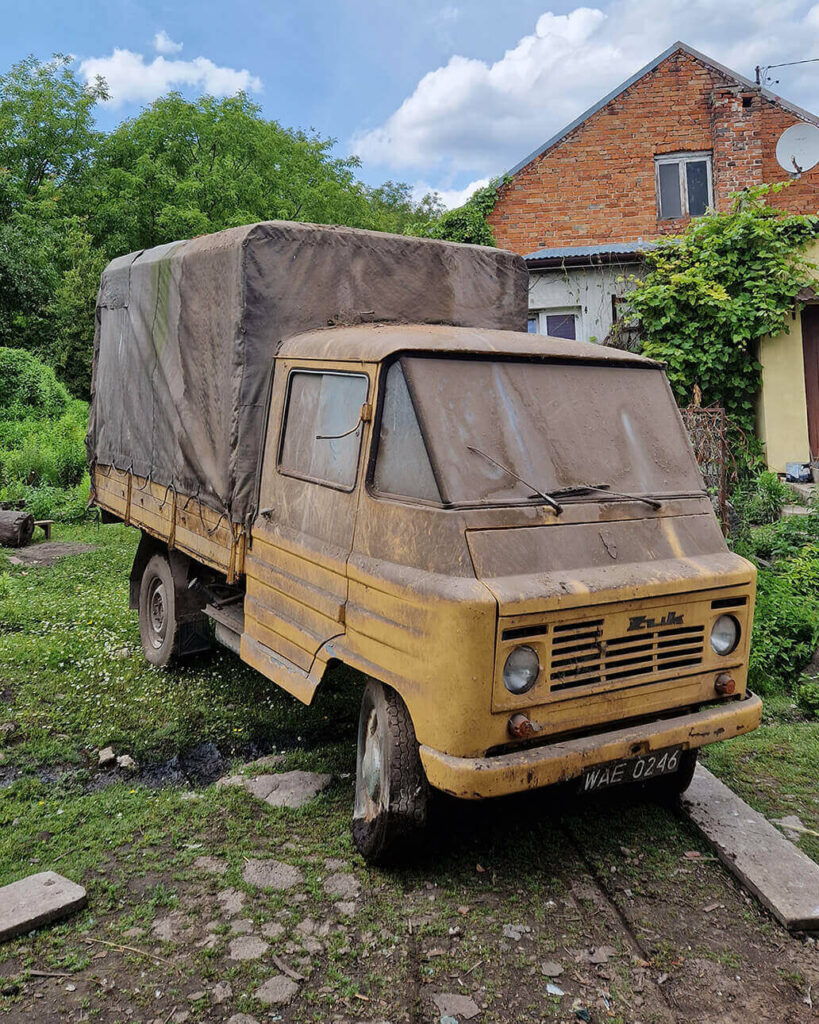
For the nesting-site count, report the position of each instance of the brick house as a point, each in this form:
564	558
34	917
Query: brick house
674	140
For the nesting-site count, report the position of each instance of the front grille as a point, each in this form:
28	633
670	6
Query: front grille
580	656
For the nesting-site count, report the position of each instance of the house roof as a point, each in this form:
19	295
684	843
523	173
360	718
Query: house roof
805	115
586	255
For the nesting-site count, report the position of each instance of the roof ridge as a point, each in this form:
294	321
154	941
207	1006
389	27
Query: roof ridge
676	46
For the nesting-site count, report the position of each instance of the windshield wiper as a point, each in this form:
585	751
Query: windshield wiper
558	508
567	492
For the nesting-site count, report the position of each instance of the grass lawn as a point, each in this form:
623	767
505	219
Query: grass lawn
500	889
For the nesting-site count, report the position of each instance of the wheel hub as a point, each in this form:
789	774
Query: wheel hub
371	762
157	613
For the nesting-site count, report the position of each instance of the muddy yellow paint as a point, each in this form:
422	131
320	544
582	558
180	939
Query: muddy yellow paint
475	778
420	598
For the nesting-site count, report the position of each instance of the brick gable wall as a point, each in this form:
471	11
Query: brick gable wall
597	184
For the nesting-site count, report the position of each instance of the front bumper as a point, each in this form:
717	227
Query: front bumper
473	778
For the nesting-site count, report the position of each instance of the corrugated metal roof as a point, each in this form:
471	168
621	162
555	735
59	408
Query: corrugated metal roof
805	115
579	251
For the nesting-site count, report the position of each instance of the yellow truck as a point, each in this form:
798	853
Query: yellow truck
343	446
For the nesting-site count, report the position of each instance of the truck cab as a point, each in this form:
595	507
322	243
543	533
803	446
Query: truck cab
509	536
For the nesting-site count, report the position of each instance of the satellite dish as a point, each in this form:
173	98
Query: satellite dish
798	148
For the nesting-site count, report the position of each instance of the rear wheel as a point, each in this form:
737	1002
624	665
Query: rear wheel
158	622
391	790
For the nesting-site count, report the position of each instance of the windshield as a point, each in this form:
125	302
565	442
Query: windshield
555	425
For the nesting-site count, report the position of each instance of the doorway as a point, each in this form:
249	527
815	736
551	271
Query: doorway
810	350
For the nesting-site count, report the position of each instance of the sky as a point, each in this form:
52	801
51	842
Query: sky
443	95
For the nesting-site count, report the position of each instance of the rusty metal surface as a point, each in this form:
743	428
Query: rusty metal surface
376	342
474	778
708	431
297	569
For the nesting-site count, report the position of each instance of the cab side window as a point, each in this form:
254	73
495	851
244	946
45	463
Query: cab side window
321	437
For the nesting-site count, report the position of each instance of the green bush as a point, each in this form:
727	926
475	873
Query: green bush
38	450
786	621
782	539
785	632
42	440
807	697
29	388
65	504
762	500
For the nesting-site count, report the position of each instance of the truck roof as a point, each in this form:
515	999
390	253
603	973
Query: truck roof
371	343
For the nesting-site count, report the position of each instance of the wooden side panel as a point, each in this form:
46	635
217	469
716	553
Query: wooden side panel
182	521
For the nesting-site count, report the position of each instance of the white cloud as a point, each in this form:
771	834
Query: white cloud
450	197
164	44
472	117
133	80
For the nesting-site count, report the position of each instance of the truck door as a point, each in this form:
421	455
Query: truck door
296	570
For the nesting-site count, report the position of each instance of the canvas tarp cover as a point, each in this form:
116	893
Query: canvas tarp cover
186	334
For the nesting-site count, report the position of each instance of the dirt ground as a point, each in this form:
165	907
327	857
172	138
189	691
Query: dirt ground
206	905
596	923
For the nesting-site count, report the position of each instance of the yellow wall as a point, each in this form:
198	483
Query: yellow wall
782	411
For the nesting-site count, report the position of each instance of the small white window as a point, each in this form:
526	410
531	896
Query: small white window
556	323
684	186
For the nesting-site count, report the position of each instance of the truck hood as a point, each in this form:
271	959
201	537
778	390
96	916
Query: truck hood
537	568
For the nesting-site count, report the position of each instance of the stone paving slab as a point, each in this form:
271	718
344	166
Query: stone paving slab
36	901
783	878
283	789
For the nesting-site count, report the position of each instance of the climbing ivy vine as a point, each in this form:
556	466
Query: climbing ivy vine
467	223
713	292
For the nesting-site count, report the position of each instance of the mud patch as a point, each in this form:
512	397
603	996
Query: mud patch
47	553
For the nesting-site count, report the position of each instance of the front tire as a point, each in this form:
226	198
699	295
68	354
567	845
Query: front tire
158	621
391	790
667	789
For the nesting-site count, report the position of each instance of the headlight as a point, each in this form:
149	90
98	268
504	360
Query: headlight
521	670
725	634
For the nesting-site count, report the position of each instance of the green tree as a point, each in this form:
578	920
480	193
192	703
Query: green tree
72	308
183	168
710	295
47	138
47	129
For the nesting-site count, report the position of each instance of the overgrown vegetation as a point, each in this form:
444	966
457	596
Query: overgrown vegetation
786	622
42	439
469	222
712	293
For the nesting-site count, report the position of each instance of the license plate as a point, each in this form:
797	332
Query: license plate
637	769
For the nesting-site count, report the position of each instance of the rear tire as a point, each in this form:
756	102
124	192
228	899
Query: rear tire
391	790
158	621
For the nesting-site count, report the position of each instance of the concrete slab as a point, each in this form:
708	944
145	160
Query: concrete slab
36	901
783	878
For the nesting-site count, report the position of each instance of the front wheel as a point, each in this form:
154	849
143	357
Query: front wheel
668	788
391	790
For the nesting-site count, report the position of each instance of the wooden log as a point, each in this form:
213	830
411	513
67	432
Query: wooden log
16	529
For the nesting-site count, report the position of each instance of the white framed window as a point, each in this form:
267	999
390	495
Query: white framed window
684	185
562	322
